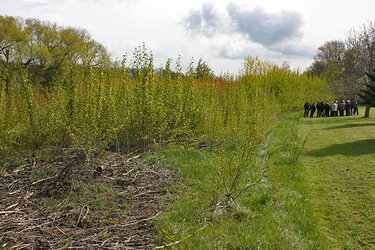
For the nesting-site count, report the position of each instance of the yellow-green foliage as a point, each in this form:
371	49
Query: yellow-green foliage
110	107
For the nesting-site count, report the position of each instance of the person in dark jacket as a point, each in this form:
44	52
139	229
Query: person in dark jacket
307	108
342	108
327	108
319	109
348	108
312	110
355	108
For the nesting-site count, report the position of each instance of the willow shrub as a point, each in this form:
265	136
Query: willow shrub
112	107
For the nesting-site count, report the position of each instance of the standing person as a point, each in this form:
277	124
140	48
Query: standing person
334	109
355	108
318	109
348	107
312	110
342	108
327	108
307	108
337	112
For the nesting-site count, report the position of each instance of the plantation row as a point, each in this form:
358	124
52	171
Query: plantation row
107	108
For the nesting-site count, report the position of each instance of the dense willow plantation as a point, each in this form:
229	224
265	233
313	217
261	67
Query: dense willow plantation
59	88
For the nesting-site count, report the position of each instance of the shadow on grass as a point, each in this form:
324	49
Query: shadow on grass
357	148
335	120
353	125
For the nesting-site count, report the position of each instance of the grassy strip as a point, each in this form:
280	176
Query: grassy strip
340	162
273	214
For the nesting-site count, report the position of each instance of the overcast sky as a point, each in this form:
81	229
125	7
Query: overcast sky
221	32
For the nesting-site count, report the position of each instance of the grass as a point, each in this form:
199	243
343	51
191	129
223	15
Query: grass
317	193
339	162
276	213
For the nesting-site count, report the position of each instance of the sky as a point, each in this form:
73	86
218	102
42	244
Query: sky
221	32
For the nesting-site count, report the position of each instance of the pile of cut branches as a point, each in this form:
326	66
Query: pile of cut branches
60	202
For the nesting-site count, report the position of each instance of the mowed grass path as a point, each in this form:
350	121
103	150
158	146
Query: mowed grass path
340	172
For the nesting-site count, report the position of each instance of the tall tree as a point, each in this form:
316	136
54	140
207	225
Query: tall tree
317	68
331	52
47	50
362	40
368	94
329	64
351	73
11	36
344	65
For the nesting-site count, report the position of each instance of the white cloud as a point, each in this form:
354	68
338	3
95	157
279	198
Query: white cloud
288	30
235	32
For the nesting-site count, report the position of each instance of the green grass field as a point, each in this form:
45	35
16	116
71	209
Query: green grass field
339	163
316	194
272	214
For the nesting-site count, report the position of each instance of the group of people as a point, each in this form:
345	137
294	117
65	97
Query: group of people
334	109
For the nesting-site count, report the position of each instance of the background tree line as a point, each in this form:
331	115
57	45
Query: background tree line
50	52
344	64
45	50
